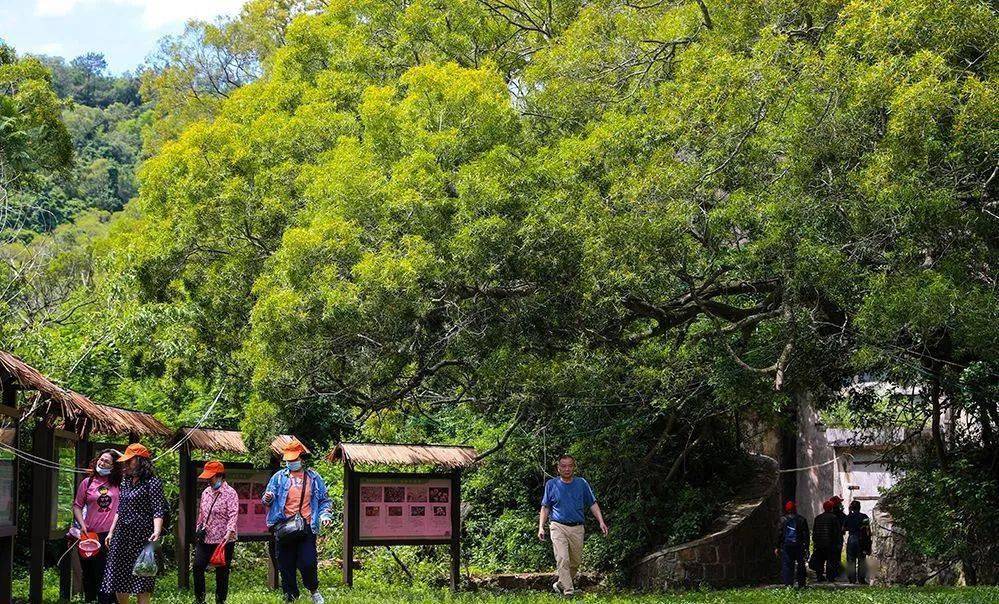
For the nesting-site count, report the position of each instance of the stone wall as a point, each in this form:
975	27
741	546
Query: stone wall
894	564
738	549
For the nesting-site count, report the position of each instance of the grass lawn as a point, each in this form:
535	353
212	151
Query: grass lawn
247	587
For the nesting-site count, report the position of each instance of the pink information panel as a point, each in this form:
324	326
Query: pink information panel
405	509
250	486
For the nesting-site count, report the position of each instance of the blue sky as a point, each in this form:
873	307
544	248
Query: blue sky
126	31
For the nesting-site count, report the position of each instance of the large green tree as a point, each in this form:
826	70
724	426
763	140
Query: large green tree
612	228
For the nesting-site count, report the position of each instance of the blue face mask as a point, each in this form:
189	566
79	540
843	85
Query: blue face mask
104	471
295	466
217	484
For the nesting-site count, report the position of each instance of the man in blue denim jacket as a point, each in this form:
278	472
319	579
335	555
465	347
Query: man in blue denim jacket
297	490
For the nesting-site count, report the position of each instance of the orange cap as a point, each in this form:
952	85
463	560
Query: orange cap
134	450
293	450
211	469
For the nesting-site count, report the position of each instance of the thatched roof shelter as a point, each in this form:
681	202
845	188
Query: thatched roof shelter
212	440
79	413
446	456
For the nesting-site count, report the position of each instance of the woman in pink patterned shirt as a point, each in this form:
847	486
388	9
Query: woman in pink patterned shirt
216	524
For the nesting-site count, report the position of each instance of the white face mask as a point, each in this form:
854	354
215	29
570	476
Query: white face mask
295	466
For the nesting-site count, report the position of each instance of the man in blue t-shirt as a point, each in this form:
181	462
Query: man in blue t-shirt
565	502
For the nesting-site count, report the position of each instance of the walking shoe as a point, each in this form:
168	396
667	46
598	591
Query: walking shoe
317	598
557	588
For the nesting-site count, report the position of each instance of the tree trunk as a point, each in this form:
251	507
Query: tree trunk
970	573
789	458
937	432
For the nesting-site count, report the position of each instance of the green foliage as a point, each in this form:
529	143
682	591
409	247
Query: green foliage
246	587
947	515
106	145
612	229
32	135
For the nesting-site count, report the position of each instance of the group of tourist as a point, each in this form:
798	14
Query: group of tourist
827	534
121	504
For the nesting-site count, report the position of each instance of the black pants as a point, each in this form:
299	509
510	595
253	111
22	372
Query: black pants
792	565
202	554
835	560
93	574
298	556
856	561
824	564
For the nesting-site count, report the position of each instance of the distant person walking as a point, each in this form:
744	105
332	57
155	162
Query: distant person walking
565	502
858	543
792	545
826	533
291	493
139	521
94	508
216	525
837	554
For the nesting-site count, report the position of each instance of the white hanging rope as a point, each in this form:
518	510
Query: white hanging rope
812	467
40	461
190	432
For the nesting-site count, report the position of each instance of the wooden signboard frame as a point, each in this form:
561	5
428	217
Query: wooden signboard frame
352	518
8	533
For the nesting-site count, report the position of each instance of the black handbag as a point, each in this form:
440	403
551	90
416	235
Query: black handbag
294	528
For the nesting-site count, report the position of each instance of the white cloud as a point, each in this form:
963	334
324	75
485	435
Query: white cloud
54	8
53	49
155	13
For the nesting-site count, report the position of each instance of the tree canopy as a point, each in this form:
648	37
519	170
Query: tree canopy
614	228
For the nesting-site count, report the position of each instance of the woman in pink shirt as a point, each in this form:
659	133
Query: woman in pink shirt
94	508
216	524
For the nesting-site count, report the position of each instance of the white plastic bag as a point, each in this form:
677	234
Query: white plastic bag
145	564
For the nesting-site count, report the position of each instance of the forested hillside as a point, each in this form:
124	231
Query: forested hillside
617	229
102	116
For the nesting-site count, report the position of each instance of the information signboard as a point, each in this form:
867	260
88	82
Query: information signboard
405	508
401	508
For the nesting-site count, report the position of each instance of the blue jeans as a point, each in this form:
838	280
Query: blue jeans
298	556
792	564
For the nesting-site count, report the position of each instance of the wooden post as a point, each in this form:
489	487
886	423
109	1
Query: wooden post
9	400
6	569
69	573
456	531
41	509
184	518
348	527
85	451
